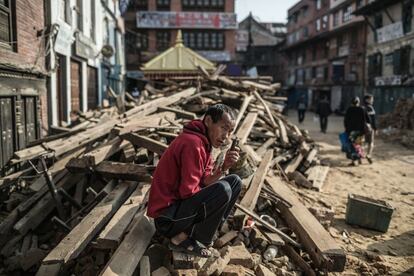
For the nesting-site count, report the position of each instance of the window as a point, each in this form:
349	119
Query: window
141	5
340	40
374	67
347	14
106	34
378	21
93	21
407	16
305	32
318	25
6	24
314	49
354	68
359	3
336	19
163	40
325	22
326	51
305	11
318	4
204	40
79	15
65	12
314	72
325	73
401	61
136	41
163	5
354	38
202	5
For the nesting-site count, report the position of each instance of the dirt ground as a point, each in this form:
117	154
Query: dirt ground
389	178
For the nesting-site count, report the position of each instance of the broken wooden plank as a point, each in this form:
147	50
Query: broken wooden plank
126	258
263	148
246	127
294	164
322	248
145	142
124	171
259	86
150	121
152	106
283	132
180	113
317	176
298	260
243	108
113	232
80	236
269	113
61	146
254	157
310	157
43	207
250	198
96	156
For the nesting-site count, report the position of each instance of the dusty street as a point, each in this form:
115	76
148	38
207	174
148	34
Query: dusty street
389	178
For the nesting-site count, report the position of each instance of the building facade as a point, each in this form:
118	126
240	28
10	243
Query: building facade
326	49
258	47
23	97
86	55
347	34
389	60
307	49
208	27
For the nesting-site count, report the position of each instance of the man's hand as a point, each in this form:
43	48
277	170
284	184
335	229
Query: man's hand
231	158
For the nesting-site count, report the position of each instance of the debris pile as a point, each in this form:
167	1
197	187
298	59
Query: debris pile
79	208
398	125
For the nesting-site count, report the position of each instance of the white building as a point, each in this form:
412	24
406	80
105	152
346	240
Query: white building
82	33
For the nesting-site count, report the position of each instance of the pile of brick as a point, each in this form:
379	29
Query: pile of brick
77	205
398	125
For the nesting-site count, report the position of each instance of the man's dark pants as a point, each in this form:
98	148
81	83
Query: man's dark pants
301	115
324	122
201	215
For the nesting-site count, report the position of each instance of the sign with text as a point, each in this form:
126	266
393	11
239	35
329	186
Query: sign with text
388	80
84	47
390	32
64	39
183	20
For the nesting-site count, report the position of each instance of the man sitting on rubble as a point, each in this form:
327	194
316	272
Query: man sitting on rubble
188	199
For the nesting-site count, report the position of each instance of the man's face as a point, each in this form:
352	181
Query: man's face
219	133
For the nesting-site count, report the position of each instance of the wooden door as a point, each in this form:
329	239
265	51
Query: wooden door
75	84
6	130
92	88
60	90
30	118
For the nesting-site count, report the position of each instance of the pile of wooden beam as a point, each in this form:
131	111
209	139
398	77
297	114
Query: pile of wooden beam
94	222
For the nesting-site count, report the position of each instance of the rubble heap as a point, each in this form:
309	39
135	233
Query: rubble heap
398	125
80	208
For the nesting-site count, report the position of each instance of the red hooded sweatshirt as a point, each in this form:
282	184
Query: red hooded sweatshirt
181	169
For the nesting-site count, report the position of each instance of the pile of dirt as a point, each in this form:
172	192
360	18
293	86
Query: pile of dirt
398	125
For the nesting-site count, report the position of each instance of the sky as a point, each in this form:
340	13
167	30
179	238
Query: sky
265	10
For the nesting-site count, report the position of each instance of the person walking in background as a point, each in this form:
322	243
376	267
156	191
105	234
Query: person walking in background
301	107
355	122
371	129
323	110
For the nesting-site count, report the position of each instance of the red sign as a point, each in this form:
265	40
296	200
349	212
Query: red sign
183	20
